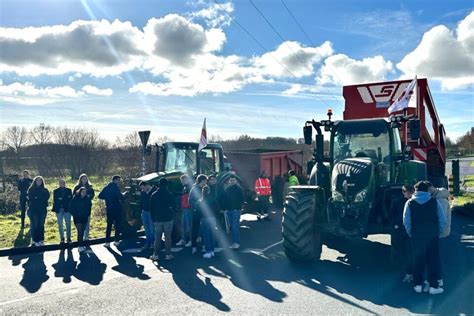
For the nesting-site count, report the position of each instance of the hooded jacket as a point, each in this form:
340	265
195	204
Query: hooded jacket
421	199
61	199
442	196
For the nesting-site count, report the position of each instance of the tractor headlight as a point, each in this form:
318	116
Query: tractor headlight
360	197
338	197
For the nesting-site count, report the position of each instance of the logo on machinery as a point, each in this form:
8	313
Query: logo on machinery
382	94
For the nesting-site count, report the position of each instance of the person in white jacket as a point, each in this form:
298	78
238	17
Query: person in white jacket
442	196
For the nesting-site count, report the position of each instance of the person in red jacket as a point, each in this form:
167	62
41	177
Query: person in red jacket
263	189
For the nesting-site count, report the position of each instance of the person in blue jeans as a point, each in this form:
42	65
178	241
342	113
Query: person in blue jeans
233	199
209	209
62	197
147	191
186	212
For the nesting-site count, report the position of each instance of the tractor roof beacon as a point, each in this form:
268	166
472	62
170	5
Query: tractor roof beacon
370	157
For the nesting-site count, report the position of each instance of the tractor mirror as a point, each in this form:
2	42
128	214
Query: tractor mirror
414	126
308	134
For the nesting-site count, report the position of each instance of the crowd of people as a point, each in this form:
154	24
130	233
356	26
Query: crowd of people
420	218
67	203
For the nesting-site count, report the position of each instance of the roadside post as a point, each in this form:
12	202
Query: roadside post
144	136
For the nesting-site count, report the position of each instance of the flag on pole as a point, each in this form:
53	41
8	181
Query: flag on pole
404	100
203	140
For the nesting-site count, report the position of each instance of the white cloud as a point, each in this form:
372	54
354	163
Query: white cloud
28	94
93	47
342	70
444	55
180	41
96	91
215	15
292	57
210	74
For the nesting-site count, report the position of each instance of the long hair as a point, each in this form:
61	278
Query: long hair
33	184
79	182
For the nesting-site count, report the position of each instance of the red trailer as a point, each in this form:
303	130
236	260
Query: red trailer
249	163
371	100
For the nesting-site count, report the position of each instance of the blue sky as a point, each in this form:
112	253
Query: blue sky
123	66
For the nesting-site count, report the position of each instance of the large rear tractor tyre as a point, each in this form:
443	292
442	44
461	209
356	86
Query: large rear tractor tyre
301	234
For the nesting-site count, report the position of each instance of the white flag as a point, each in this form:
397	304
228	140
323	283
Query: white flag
203	140
404	99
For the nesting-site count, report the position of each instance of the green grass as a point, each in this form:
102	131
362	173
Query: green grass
468	180
467	197
12	236
471	164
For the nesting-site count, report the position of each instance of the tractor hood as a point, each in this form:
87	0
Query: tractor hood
352	175
155	176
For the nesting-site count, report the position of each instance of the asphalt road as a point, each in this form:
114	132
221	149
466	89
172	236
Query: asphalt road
353	277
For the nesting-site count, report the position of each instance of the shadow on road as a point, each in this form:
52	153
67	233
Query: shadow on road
90	269
65	268
128	266
35	273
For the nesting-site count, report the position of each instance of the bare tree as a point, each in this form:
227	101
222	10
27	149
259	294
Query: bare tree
16	138
42	134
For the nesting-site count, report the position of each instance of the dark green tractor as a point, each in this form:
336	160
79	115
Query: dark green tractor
350	189
174	159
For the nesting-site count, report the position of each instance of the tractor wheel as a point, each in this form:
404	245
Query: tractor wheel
301	235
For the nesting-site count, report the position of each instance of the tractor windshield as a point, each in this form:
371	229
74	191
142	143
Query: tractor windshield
362	139
180	159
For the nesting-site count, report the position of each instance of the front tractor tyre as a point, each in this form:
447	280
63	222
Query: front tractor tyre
301	234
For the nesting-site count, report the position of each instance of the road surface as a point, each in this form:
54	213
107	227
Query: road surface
353	277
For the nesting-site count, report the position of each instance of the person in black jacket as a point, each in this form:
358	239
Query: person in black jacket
209	209
81	206
400	242
23	186
38	197
113	199
84	181
145	196
162	208
62	197
194	195
233	201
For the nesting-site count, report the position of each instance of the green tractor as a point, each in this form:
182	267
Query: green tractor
174	159
350	189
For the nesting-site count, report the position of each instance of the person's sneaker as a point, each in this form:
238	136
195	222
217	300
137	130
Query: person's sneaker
232	246
199	239
188	244
237	246
181	243
434	290
69	240
81	249
194	250
107	244
408	278
417	288
203	249
426	286
207	255
440	283
116	243
169	257
212	253
154	257
62	241
41	243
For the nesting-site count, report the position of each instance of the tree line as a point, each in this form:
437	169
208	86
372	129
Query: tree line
63	151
